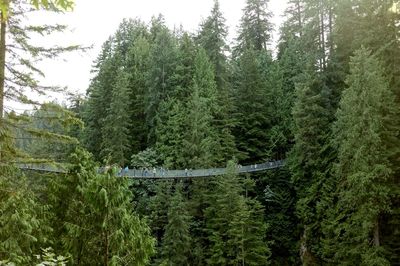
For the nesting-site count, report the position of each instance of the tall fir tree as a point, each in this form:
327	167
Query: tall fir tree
171	126
176	243
212	37
137	64
158	219
160	82
234	226
250	109
201	137
366	133
24	220
255	27
96	217
116	145
99	98
309	161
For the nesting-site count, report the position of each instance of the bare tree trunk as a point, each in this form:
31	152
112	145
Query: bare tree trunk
322	33
2	61
376	234
298	7
106	251
243	247
330	14
2	67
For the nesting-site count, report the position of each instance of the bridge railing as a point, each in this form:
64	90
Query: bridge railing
165	173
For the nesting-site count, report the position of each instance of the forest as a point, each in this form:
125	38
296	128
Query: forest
325	101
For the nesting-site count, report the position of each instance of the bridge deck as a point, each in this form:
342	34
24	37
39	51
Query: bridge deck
161	173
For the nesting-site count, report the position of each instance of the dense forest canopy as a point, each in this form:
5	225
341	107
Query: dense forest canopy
327	101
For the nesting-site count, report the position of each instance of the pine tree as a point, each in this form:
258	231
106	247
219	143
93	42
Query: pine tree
201	138
234	225
19	73
365	133
184	71
115	144
212	37
24	220
250	110
378	27
158	219
160	82
137	66
171	127
120	71
96	217
176	241
310	161
255	27
99	98
279	199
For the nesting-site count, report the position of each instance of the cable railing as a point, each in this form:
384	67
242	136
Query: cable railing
163	173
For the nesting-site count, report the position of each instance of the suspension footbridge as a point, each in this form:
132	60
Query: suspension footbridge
163	173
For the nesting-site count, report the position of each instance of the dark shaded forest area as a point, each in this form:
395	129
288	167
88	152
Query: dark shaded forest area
326	101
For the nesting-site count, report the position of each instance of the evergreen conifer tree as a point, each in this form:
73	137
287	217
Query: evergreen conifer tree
250	110
96	217
171	127
366	134
99	98
255	27
116	145
176	243
212	38
234	225
309	162
24	221
160	82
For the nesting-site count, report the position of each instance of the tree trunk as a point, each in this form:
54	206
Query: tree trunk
322	33
376	234
2	67
2	62
330	14
298	7
106	255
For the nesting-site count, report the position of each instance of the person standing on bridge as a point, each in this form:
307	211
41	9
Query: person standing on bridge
154	172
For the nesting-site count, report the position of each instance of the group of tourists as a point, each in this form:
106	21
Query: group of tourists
160	172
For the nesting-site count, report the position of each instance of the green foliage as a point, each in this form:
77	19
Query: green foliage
250	110
167	97
255	27
160	81
365	132
96	217
23	221
276	191
48	258
310	160
99	99
201	139
171	127
147	158
234	225
159	205
51	124
176	243
116	145
212	37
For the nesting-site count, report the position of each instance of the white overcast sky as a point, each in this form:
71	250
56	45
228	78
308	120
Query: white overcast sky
93	21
